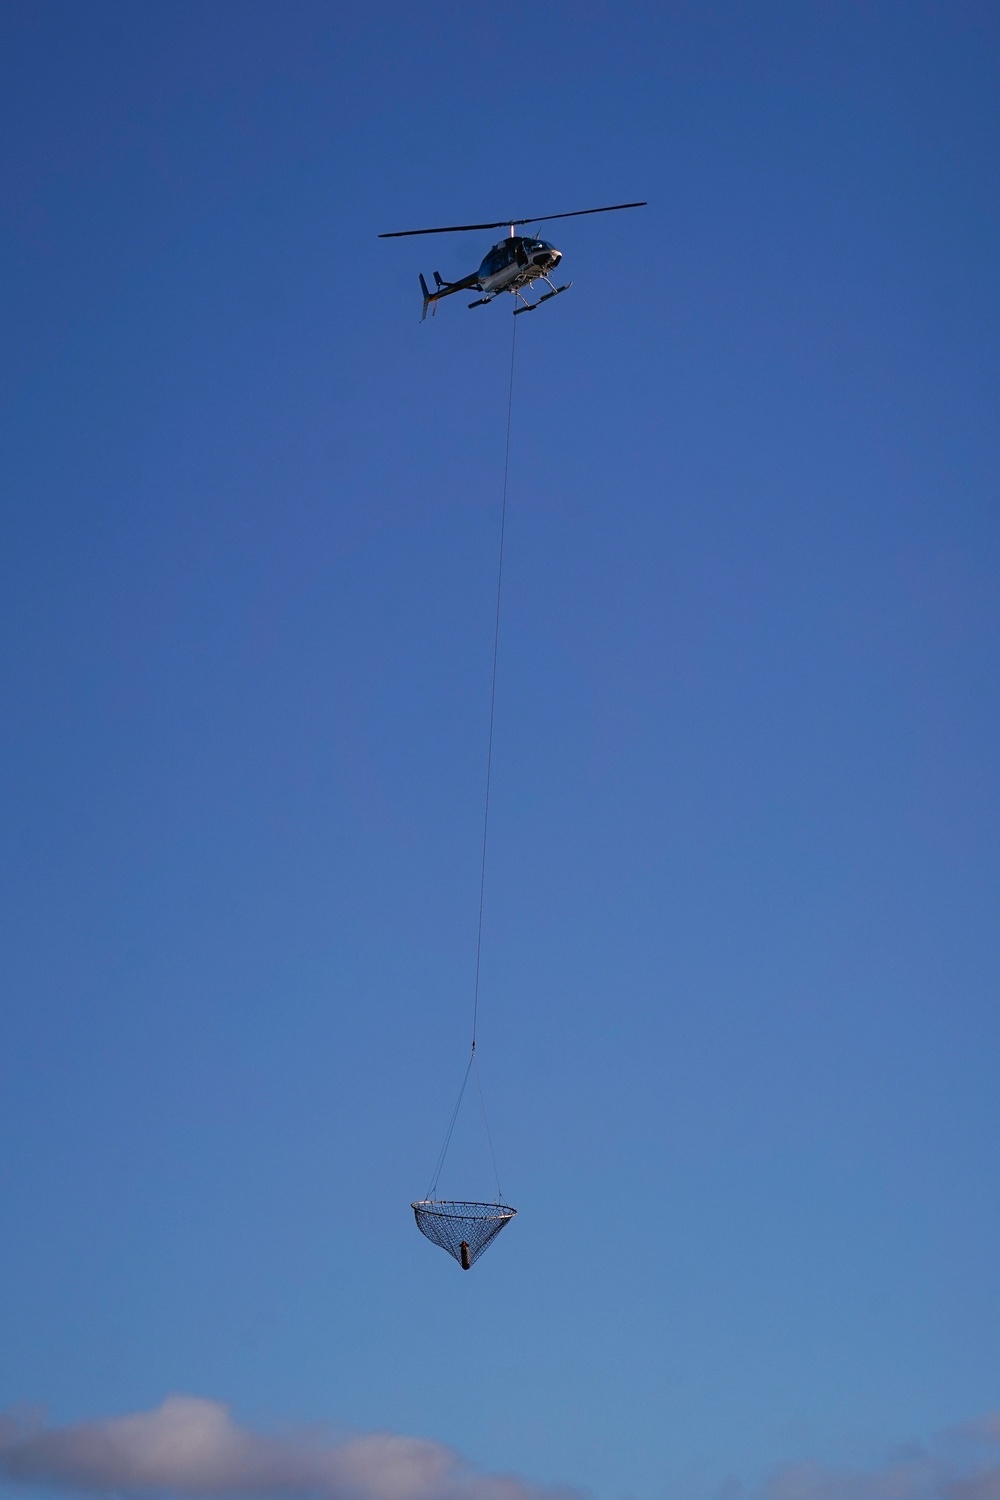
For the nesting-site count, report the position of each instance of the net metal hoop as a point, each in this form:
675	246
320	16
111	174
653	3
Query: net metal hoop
463	1229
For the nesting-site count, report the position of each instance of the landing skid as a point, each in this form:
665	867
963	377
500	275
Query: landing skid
530	306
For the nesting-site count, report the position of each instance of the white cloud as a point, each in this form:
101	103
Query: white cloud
946	1471
192	1446
984	1429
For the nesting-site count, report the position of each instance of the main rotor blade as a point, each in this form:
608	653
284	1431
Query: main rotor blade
398	234
576	213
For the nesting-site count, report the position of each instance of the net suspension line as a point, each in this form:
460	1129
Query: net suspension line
472	1066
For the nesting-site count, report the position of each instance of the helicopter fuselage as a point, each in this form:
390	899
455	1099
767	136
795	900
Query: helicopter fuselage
516	262
511	265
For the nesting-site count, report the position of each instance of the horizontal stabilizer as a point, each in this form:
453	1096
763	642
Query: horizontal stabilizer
444	289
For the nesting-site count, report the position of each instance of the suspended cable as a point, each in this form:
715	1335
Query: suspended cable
493	685
486	1129
472	1065
451	1126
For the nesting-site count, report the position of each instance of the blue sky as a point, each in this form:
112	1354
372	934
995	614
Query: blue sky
738	1009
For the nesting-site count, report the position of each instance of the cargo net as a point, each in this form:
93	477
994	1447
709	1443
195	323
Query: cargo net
463	1229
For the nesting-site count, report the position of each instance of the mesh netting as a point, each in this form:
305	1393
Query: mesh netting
463	1229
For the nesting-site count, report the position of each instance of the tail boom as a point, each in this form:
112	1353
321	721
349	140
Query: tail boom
444	289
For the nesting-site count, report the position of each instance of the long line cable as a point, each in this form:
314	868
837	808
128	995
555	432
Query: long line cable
493	685
472	1065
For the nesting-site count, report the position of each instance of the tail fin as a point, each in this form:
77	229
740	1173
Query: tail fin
428	298
439	282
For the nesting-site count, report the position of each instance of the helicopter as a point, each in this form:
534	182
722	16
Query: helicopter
510	266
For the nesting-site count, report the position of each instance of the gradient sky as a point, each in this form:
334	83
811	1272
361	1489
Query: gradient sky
739	1018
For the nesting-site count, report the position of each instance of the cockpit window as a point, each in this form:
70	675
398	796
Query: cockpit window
494	262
